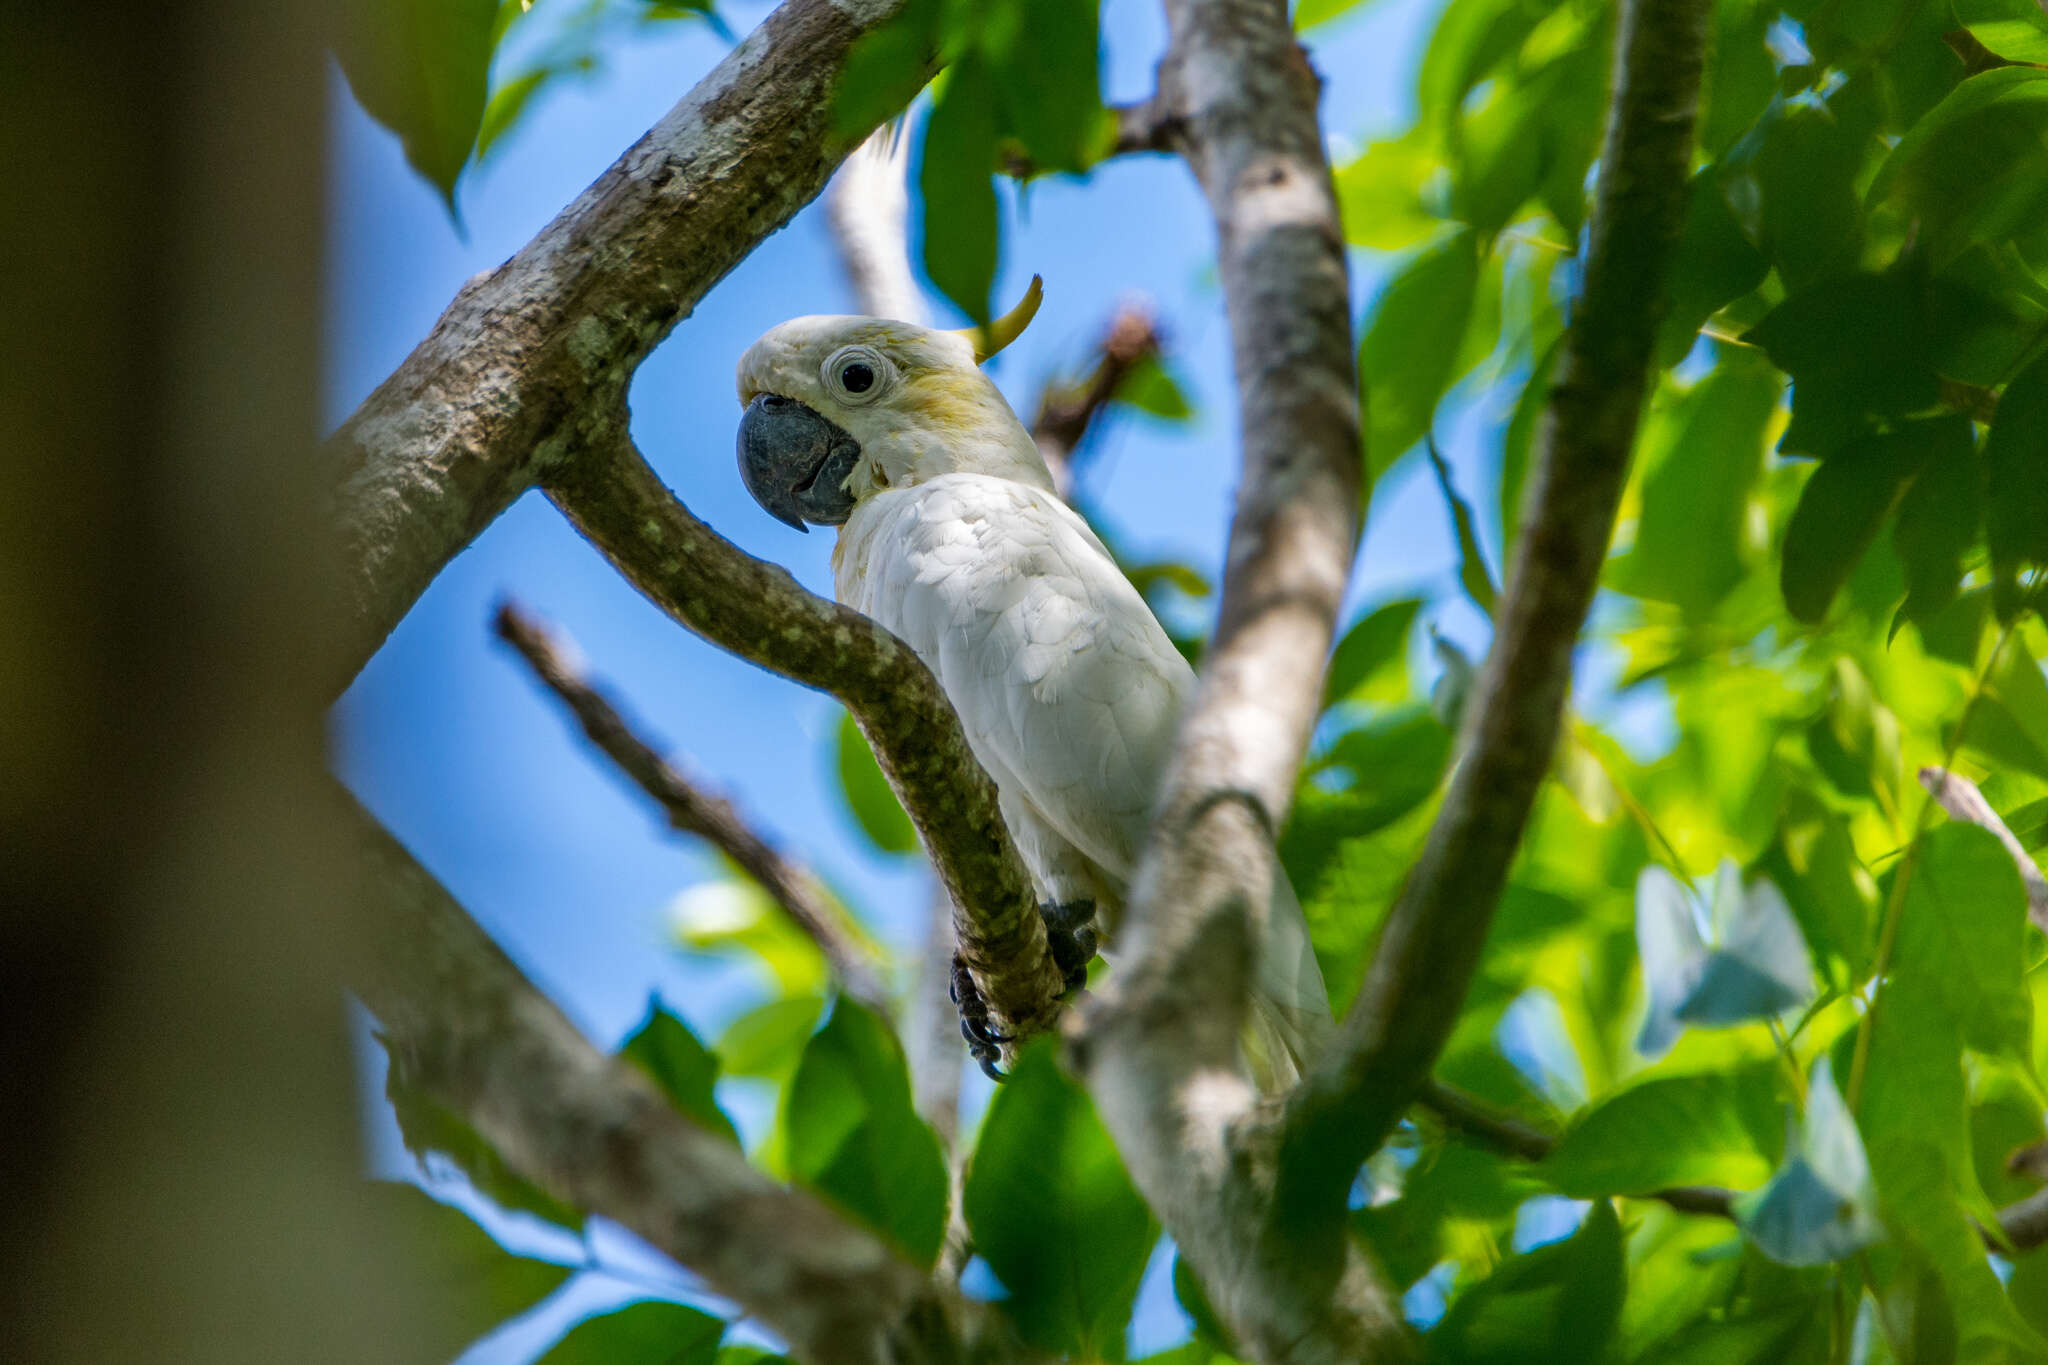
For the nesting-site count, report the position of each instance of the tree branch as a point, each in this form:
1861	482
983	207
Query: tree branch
693	810
1960	798
497	390
757	611
1160	1046
474	1033
1417	980
1067	412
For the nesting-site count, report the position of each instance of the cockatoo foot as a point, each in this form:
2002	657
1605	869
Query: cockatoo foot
1070	934
984	1042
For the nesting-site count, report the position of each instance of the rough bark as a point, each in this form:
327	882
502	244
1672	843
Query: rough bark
1159	1049
1417	980
691	809
475	1034
757	611
500	387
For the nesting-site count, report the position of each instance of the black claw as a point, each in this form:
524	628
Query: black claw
1070	934
984	1041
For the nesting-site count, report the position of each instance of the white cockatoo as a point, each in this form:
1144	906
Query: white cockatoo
952	537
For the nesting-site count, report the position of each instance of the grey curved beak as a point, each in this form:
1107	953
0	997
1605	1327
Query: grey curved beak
794	462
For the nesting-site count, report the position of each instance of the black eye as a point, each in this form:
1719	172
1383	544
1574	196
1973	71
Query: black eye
857	377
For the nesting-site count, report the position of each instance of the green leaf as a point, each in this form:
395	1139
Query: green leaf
1309	13
1841	510
1044	55
1975	169
959	195
853	1135
649	1333
430	1128
1380	193
1473	575
1939	519
1742	77
1054	1214
1701	1129
1716	264
506	104
673	1059
1856	345
868	794
1412	339
474	1284
885	69
1557	1303
1151	388
1813	860
1702	453
1450	1187
420	68
1471	38
2016	30
1797	169
1963	935
768	1040
733	917
2016	474
1370	661
1394	762
1194	1301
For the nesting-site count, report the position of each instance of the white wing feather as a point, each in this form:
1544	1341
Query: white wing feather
1066	685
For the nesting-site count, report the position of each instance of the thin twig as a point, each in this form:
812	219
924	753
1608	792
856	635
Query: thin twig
693	810
1066	412
1959	796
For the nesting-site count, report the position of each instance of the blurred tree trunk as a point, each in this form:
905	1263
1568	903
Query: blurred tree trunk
180	1129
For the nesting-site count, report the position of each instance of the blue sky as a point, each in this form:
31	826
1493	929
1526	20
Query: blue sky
445	737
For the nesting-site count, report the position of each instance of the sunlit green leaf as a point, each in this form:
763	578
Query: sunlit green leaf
1976	168
1370	661
853	1135
1963	935
1054	1214
1381	192
1042	56
1682	1130
1152	388
868	794
2016	30
767	1040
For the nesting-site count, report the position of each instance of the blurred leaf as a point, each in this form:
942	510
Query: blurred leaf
1370	661
1975	169
1450	1188
2016	30
1473	575
474	1284
1412	338
1939	518
670	1054
768	1040
1471	38
1715	265
959	196
647	1333
1447	694
1394	760
1702	1129
1962	933
1757	968
1557	1303
506	104
1742	77
2016	475
1309	13
868	794
1792	183
1701	455
1856	345
420	68
885	69
853	1135
430	1128
1194	1301
1814	861
1043	56
1845	504
1855	740
1380	192
1151	388
733	917
1821	1206
1054	1214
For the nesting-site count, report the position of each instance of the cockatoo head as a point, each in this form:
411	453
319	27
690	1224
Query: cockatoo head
840	408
